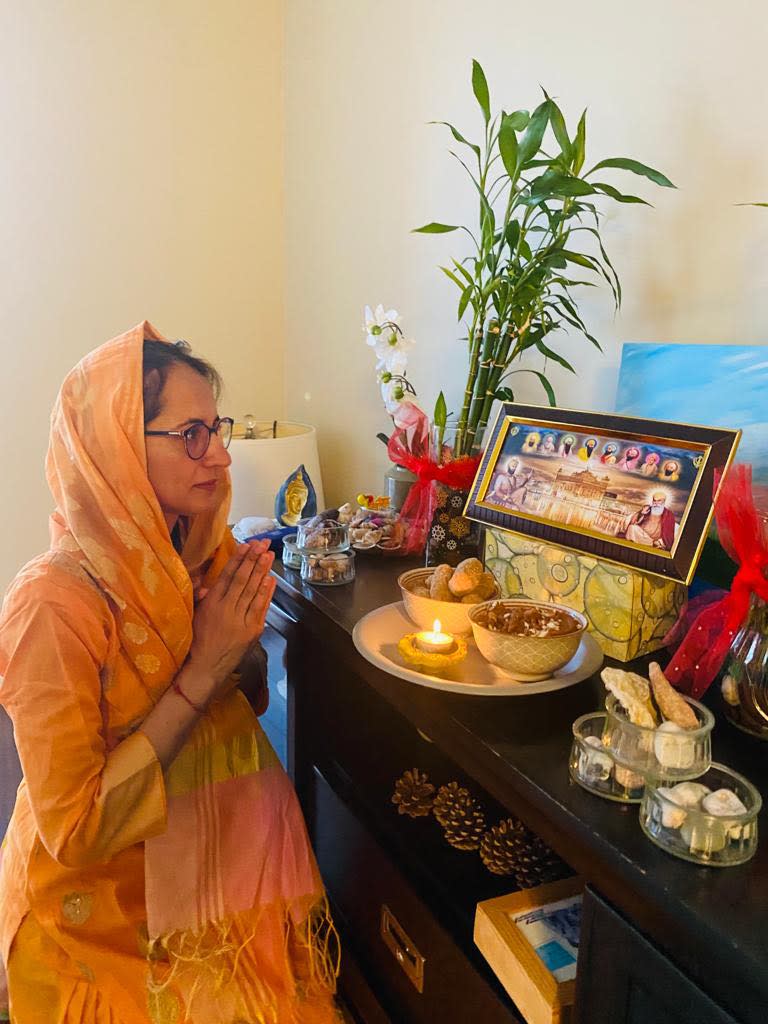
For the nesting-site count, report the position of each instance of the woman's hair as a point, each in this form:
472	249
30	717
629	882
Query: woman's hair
158	359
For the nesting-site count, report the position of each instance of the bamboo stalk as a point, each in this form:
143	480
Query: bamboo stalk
468	391
499	364
481	382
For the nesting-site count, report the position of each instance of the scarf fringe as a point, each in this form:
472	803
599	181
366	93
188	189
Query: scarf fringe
229	965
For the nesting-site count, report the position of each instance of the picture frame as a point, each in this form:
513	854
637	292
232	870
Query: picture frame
637	493
525	957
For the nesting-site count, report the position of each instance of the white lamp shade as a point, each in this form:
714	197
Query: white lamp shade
260	466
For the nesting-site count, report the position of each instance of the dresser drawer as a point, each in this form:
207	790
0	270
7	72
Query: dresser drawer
624	979
409	959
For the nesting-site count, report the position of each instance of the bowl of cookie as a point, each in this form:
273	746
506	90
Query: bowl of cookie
446	594
529	639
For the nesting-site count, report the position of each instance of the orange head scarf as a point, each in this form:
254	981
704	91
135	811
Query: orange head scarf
107	511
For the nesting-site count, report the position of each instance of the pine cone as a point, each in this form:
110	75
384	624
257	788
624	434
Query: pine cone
464	825
414	794
510	848
448	797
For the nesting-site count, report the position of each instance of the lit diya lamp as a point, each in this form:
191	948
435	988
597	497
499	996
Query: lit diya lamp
432	648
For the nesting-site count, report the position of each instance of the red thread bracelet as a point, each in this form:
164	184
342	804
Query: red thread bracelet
178	689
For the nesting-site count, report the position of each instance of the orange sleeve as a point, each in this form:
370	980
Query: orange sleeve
88	804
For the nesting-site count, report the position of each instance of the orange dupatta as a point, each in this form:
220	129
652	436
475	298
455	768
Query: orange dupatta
237	918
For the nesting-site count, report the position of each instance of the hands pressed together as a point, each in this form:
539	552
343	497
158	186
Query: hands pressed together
230	615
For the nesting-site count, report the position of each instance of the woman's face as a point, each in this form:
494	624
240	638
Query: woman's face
185	486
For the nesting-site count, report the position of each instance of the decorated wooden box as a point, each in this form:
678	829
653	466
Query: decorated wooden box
629	612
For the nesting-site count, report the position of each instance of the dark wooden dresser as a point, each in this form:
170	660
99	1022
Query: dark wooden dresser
663	942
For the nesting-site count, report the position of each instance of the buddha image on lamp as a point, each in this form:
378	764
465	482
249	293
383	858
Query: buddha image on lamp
296	498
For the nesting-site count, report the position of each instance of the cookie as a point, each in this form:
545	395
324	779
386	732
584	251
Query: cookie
487	586
672	706
633	693
466	577
438	587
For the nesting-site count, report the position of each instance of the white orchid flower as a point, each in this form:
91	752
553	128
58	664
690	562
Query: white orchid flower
375	321
392	393
394	363
392	350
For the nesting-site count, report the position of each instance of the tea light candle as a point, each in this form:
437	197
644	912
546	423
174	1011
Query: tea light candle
434	641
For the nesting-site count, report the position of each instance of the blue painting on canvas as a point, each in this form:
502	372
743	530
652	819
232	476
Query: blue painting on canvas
710	385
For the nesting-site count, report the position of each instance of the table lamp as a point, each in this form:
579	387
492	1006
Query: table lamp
264	453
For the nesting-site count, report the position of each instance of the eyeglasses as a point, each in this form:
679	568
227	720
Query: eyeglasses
197	438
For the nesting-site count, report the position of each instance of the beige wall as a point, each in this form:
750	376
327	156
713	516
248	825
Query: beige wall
679	85
141	176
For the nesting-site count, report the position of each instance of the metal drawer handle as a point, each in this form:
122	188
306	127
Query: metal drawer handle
402	948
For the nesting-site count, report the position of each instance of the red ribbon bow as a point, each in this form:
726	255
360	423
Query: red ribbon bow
701	654
457	474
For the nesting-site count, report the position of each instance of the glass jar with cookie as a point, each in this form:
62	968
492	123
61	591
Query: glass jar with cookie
653	730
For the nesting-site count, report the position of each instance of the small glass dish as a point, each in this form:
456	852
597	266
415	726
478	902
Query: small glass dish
592	765
685	829
322	535
291	553
328	569
674	756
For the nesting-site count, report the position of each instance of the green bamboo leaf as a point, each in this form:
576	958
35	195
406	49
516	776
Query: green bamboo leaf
751	204
550	354
579	258
511	234
480	89
620	197
519	119
502	394
463	271
440	416
459	137
544	383
508	148
466	295
554	184
557	121
625	164
433	228
534	133
491	286
580	144
449	274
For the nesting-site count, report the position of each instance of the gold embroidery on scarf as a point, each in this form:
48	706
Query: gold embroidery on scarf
147	663
141	510
135	633
77	907
128	534
164	1007
86	971
149	577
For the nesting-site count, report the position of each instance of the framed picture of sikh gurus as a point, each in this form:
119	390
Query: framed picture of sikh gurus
638	493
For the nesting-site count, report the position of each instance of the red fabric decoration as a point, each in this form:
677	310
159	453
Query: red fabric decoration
409	447
741	530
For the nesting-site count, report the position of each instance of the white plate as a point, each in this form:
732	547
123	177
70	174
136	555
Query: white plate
376	636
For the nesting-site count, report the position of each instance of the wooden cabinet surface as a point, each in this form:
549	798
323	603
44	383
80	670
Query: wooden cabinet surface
676	941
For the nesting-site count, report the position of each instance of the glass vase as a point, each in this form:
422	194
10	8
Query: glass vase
745	680
451	536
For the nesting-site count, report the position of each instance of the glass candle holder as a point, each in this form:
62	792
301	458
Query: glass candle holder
322	535
660	751
593	767
681	820
291	553
328	569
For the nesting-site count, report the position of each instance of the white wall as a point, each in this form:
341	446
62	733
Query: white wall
679	85
141	176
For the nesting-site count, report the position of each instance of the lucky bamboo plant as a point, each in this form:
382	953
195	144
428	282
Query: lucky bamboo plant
517	286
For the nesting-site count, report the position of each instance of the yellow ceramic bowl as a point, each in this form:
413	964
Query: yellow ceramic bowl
527	658
453	615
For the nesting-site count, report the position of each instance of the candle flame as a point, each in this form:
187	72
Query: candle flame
437	626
